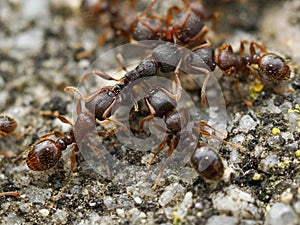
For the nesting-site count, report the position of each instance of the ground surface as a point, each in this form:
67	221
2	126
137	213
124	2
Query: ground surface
39	41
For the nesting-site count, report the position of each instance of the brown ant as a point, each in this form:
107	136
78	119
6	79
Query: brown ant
119	17
162	104
45	153
185	28
271	66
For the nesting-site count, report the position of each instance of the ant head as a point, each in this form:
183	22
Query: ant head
274	68
101	102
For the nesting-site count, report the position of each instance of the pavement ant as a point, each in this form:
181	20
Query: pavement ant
7	126
162	104
120	17
45	153
271	67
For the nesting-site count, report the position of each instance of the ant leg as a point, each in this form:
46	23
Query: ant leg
152	114
206	133
170	12
73	164
114	131
261	48
99	42
159	149
171	149
236	86
226	46
207	44
242	47
10	193
4	134
120	62
204	124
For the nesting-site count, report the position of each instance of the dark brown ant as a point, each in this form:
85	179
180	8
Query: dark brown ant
271	66
161	103
119	16
185	28
45	153
7	126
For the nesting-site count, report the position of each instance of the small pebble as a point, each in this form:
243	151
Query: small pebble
247	123
44	212
281	214
120	212
228	220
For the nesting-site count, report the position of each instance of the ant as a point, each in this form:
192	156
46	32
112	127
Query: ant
271	67
185	28
162	104
45	153
119	17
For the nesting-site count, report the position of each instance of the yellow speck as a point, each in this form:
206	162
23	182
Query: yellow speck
297	106
298	190
254	88
284	164
177	219
291	110
275	131
297	153
256	176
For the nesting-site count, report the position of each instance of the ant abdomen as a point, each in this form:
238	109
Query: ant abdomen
274	68
43	155
207	163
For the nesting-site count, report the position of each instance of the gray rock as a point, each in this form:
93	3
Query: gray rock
281	214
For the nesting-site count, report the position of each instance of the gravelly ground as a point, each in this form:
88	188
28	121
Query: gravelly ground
39	41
